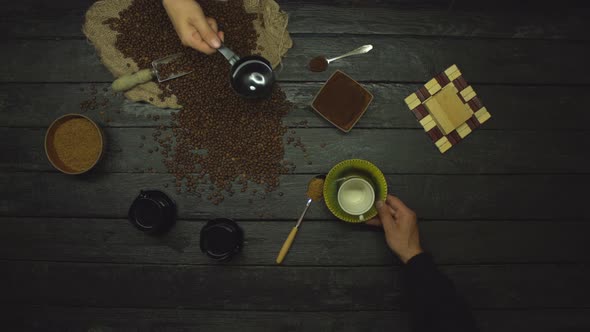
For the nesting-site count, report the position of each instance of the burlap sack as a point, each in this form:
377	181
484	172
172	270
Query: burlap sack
273	43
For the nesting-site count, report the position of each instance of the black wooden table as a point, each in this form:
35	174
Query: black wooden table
505	212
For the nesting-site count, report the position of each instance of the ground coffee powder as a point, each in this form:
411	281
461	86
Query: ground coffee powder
342	101
318	64
218	139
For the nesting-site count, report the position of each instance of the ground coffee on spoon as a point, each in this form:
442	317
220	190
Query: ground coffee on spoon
318	64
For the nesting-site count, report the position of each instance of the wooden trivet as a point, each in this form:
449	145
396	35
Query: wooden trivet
447	108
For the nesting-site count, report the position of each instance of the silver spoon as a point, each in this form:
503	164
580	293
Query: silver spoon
361	50
320	63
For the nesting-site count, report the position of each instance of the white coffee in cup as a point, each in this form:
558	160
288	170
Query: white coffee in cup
356	196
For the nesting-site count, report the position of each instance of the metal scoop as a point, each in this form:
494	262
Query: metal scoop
129	81
251	76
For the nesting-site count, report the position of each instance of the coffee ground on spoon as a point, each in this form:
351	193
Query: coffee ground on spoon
318	64
315	189
218	139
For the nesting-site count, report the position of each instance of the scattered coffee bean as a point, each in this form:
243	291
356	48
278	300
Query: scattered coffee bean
210	107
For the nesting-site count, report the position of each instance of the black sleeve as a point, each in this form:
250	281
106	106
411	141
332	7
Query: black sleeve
434	303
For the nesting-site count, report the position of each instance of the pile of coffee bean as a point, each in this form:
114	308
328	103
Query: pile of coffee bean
219	139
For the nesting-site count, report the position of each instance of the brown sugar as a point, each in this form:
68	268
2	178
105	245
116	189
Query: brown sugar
315	189
318	64
77	144
342	101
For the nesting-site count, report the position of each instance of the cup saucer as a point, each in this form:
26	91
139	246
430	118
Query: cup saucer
347	168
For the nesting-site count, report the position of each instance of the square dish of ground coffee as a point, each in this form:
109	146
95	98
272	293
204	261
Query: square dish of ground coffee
342	101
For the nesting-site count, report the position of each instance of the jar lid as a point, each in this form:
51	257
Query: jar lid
221	239
152	212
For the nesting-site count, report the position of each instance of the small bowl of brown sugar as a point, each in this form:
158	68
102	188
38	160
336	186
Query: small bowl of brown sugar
74	144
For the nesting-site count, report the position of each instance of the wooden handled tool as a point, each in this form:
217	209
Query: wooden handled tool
291	237
129	81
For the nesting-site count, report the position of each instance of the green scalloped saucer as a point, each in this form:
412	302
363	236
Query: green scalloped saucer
353	167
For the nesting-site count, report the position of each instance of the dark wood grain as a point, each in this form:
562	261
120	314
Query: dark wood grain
322	243
31	318
555	197
532	6
28	318
301	288
396	151
394	59
64	19
504	212
448	23
512	107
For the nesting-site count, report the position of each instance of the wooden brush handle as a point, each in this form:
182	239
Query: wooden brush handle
127	82
287	245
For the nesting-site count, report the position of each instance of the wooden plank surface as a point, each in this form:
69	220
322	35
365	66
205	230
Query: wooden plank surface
504	212
545	197
64	19
395	151
512	107
31	318
394	59
301	288
449	23
321	243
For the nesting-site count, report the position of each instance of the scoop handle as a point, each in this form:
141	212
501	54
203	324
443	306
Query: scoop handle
287	245
127	82
231	57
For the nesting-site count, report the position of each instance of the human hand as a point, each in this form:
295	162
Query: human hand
400	226
193	28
